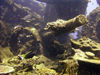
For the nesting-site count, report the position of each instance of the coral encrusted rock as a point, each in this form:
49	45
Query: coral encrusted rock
87	44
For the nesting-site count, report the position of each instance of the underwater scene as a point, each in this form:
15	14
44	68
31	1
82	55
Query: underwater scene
49	37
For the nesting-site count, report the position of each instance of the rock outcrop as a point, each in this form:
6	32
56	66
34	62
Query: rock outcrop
92	28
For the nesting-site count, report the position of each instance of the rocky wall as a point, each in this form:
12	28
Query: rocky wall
92	29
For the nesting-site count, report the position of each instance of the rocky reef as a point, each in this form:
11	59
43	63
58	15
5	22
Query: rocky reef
37	42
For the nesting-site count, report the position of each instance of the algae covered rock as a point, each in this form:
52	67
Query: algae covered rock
25	40
42	70
88	66
36	65
87	53
4	70
86	44
68	67
88	63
